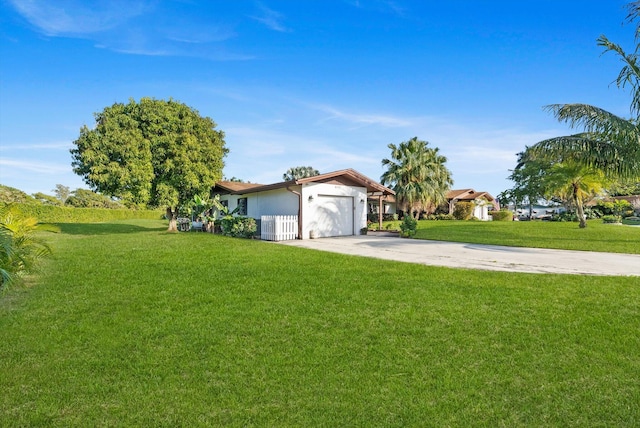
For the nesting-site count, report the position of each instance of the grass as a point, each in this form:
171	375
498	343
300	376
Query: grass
131	325
597	236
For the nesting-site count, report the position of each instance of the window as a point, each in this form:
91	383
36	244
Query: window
242	206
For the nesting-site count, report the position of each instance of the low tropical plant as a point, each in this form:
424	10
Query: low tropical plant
20	249
408	227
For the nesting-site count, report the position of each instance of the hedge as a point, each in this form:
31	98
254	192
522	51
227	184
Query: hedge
463	210
502	215
53	214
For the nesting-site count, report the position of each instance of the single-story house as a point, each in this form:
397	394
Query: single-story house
483	201
331	204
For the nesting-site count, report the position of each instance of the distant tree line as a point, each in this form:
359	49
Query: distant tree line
63	196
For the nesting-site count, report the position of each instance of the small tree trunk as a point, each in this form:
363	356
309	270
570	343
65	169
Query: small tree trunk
172	216
579	208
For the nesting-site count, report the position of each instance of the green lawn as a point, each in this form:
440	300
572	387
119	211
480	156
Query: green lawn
130	325
597	236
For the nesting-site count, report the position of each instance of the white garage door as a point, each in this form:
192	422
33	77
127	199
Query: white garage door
334	216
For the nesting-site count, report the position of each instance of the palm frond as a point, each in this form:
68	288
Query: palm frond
593	119
633	13
629	74
590	149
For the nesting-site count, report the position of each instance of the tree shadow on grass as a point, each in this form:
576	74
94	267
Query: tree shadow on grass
106	228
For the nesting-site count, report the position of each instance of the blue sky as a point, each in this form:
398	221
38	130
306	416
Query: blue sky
325	83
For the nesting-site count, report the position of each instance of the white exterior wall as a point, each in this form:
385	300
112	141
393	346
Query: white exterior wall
316	218
273	202
481	212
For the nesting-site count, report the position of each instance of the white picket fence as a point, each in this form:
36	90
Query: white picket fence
278	227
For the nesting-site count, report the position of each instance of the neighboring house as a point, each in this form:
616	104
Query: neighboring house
332	204
483	201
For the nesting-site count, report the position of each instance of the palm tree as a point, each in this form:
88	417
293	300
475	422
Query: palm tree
300	172
576	183
418	175
20	250
608	142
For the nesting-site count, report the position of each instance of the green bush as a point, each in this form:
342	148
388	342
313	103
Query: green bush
618	208
502	215
611	219
440	217
633	221
238	227
408	227
54	214
463	210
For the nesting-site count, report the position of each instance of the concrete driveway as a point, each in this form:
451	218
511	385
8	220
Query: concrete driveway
476	256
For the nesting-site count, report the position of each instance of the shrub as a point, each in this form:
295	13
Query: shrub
463	210
385	217
20	250
408	226
238	227
502	215
618	207
634	221
441	217
611	219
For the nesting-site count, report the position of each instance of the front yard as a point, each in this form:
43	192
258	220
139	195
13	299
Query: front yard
610	238
130	325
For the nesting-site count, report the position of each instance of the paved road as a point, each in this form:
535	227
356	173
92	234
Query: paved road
475	256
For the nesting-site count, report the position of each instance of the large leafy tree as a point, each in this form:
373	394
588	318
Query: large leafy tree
576	183
528	183
152	152
418	175
298	172
608	142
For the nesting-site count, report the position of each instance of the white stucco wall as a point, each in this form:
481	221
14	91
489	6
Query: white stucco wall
481	212
273	202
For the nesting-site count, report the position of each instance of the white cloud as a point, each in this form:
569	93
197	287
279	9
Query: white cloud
379	6
32	166
71	17
270	18
362	119
133	27
37	146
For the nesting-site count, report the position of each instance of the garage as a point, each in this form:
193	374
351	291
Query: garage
334	216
